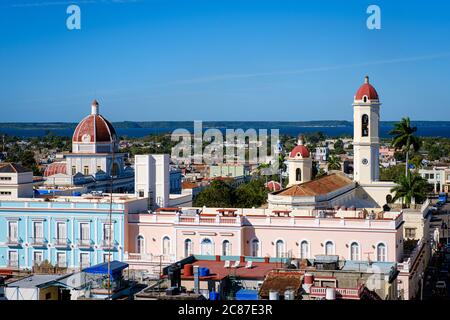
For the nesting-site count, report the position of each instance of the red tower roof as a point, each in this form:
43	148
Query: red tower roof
366	90
304	152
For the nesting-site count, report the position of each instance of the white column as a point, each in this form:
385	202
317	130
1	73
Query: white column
72	250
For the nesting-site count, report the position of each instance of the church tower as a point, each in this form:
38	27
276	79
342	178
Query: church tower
299	164
366	141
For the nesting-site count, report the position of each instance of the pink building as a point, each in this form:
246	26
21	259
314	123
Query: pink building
169	236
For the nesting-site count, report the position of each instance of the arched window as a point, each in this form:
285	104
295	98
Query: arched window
255	248
226	248
166	245
207	247
329	248
304	249
298	174
354	251
140	244
187	247
279	249
381	252
365	125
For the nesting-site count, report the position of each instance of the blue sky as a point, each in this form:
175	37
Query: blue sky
222	59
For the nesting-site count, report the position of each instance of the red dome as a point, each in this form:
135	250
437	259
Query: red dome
273	186
366	90
94	128
55	168
304	152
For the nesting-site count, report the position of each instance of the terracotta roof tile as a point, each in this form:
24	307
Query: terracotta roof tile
317	187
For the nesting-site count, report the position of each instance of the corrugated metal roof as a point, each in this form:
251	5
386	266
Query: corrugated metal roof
37	280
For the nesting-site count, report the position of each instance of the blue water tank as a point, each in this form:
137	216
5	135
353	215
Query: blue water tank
213	295
203	272
76	194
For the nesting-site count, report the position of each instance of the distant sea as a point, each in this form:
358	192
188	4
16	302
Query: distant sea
342	128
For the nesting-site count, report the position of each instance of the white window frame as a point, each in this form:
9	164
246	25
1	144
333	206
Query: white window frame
226	251
325	247
350	255
16	224
190	249
283	248
163	247
61	253
57	224
80	230
17	255
34	256
138	246
212	246
33	226
308	249
385	251
81	254
252	253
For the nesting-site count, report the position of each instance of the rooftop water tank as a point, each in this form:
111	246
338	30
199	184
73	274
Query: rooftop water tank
188	270
274	295
308	279
330	294
203	272
289	294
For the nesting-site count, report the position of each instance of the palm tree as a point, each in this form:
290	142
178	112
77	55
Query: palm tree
410	187
334	163
404	138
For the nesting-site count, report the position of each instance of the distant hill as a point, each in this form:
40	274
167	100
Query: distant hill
208	124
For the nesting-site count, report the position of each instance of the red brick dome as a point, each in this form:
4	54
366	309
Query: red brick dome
55	168
366	90
94	128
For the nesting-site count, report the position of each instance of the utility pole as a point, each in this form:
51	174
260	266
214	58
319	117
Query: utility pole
110	221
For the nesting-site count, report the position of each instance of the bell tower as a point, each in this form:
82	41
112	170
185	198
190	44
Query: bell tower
299	164
366	141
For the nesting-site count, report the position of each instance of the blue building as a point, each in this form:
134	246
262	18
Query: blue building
68	232
175	181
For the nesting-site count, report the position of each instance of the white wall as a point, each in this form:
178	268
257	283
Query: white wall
152	178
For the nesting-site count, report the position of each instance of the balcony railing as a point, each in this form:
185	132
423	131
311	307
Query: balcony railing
108	244
12	263
341	293
61	242
13	241
84	243
61	264
150	258
38	241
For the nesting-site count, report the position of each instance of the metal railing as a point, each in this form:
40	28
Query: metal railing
38	241
108	244
13	241
12	263
84	243
61	242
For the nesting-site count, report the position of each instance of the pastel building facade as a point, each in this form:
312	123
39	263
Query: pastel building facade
68	232
301	234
